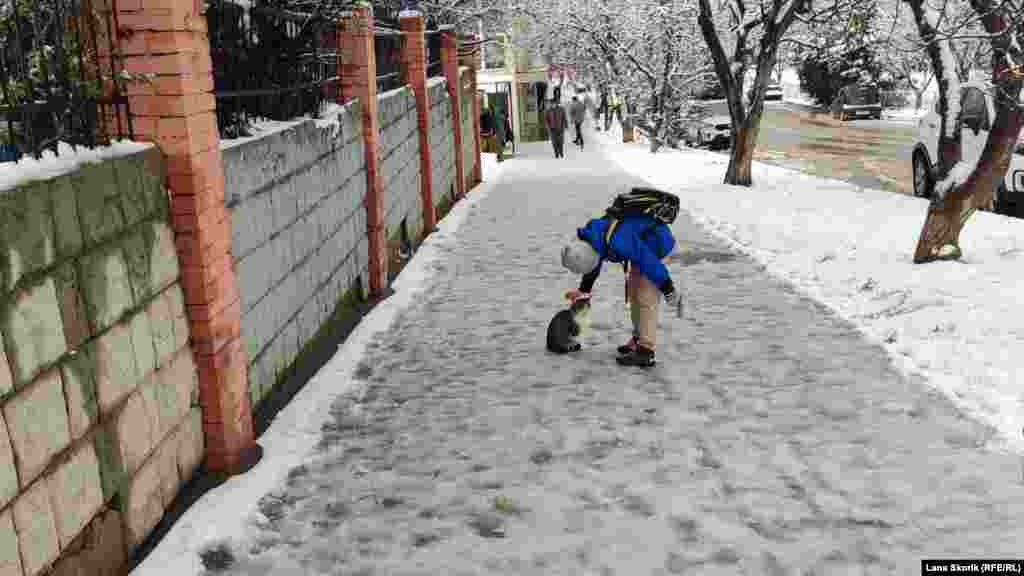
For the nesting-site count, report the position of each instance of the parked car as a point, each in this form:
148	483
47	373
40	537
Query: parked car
773	91
976	113
712	91
857	100
714	132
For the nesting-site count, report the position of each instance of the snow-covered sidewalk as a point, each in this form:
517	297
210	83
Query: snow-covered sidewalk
956	323
772	438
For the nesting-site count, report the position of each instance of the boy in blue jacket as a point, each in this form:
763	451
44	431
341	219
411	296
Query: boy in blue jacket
640	243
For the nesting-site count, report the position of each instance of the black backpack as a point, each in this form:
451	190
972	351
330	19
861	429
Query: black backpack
662	206
658	204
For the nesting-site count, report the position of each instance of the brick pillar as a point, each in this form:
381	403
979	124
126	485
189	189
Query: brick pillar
176	111
450	64
359	79
471	61
414	61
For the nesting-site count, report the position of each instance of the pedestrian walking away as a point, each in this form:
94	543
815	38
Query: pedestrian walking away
499	132
640	242
556	122
578	111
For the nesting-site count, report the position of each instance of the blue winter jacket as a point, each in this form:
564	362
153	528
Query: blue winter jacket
639	240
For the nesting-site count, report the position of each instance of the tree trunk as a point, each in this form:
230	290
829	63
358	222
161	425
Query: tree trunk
946	219
744	141
742	156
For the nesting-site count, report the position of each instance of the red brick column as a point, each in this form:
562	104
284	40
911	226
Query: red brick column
414	62
471	61
359	79
176	111
450	64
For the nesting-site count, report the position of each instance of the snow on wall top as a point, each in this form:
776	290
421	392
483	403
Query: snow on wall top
68	159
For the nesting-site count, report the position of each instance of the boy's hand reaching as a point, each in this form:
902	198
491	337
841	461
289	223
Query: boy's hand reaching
575	295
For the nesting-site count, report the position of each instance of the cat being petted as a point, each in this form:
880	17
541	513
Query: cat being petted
568	325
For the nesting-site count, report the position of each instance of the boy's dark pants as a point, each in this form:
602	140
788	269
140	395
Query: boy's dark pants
579	133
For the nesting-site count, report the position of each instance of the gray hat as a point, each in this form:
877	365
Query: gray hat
580	257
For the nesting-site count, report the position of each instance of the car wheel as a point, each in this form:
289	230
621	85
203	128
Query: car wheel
1001	204
924	184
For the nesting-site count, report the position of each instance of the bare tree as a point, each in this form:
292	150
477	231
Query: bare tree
749	39
649	51
964	186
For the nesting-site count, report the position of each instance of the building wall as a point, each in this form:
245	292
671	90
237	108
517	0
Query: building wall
468	126
297	203
442	141
399	149
98	386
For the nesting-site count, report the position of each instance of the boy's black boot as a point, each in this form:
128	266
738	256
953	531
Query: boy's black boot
641	357
628	346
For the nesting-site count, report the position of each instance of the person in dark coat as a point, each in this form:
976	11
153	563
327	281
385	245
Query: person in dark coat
556	122
578	111
603	111
500	123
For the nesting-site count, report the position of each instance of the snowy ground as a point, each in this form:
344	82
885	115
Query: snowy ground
221	513
954	322
771	439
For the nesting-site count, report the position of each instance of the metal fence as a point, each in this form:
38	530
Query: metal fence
387	47
56	79
434	67
269	63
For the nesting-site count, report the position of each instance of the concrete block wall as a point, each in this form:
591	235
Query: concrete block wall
468	126
398	149
442	141
299	238
99	417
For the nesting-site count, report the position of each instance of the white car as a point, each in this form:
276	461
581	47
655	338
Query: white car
714	132
976	114
773	91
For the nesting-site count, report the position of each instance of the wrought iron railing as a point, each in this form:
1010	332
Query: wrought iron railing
434	67
269	63
388	52
59	81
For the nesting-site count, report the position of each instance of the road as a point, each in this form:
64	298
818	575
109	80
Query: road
869	153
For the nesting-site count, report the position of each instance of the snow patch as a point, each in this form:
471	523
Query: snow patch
262	129
224	513
329	116
67	160
391	93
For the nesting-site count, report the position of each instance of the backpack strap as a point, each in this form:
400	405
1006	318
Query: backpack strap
613	225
